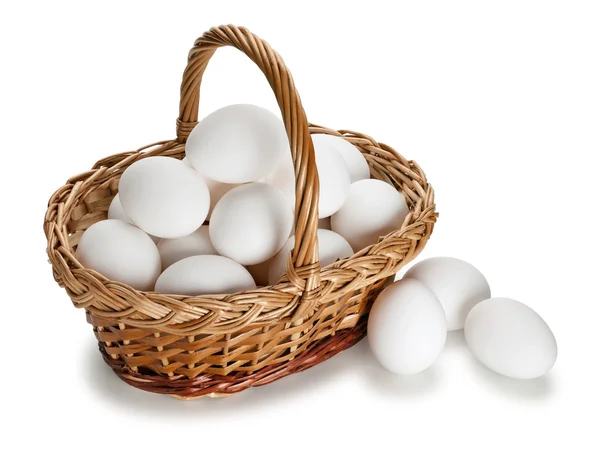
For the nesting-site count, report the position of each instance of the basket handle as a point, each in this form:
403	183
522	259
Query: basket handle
304	269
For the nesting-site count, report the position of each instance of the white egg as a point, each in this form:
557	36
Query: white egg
334	180
510	338
216	189
237	144
406	328
357	164
325	223
164	196
332	247
457	284
260	272
282	177
197	243
204	274
120	251
372	209
251	223
115	211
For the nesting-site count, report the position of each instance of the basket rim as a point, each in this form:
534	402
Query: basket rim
185	315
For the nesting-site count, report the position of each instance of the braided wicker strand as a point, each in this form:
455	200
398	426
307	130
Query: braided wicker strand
221	344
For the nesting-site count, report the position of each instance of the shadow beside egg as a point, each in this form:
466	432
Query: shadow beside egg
387	384
455	342
541	388
525	390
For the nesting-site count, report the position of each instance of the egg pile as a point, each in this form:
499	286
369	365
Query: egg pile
221	220
409	321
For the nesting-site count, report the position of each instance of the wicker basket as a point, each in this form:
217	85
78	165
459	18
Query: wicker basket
222	344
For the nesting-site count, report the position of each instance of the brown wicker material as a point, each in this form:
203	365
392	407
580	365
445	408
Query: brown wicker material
221	344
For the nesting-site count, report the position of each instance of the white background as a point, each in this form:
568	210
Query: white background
499	102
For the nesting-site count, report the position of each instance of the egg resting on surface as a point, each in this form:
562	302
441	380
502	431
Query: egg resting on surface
510	338
334	179
115	211
164	196
457	284
356	162
282	177
237	144
121	252
216	189
251	223
372	209
204	274
197	243
406	329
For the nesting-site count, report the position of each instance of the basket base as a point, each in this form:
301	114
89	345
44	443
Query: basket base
183	388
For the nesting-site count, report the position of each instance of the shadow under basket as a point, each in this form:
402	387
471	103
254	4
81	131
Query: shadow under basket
217	345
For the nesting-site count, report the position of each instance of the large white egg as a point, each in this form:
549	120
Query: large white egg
332	247
334	179
251	223
216	189
120	251
115	211
406	328
372	209
510	338
237	144
282	177
204	274
357	164
457	284
164	196
197	243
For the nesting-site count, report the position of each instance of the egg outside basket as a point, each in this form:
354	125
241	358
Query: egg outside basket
222	344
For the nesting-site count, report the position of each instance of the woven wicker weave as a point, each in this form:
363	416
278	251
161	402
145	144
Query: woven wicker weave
221	344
